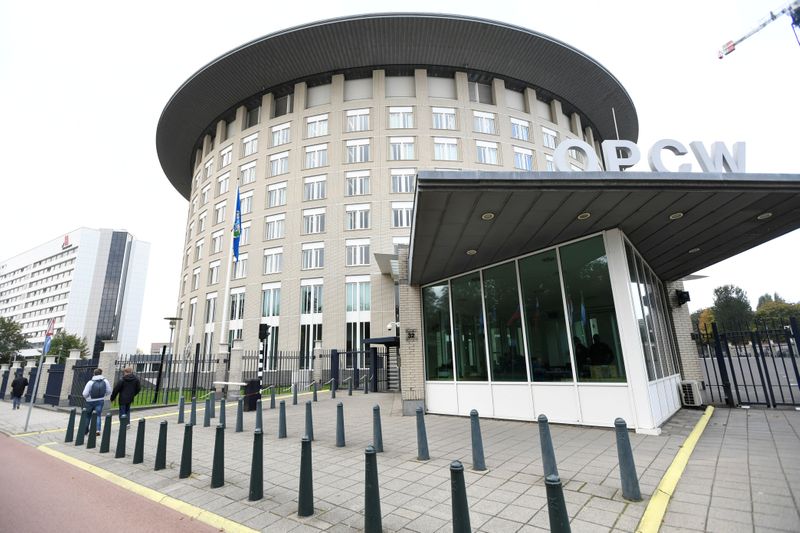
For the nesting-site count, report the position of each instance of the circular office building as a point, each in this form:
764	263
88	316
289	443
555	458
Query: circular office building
395	180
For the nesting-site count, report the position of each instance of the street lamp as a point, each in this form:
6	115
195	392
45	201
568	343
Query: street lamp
173	321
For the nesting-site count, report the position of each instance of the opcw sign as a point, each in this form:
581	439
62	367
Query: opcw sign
621	154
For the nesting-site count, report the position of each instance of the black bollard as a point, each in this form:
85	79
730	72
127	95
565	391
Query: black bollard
372	497
366	384
123	429
70	426
161	447
181	408
105	440
82	427
257	467
548	454
91	437
478	462
339	425
218	466
377	434
222	412
309	422
271	397
458	494
314	391
259	416
193	412
186	453
556	506
239	416
294	394
333	389
350	386
138	447
282	420
422	437
627	468
207	413
305	498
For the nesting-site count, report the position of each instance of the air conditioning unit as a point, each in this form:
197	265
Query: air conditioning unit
690	394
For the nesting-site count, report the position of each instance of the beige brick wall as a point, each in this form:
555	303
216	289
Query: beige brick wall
412	371
688	357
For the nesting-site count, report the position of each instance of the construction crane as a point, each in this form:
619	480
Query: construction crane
792	9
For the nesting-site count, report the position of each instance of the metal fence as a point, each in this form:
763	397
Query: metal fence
163	376
752	366
83	370
285	368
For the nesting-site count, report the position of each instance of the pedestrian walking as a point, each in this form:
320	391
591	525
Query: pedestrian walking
126	390
17	390
95	393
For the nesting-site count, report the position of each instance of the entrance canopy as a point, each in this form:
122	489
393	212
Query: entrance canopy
679	222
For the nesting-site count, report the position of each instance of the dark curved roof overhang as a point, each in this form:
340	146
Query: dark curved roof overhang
383	40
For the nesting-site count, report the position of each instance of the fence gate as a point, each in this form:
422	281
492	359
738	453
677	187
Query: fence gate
53	392
83	372
4	384
752	367
393	368
31	381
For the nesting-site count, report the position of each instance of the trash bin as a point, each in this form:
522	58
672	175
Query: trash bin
252	395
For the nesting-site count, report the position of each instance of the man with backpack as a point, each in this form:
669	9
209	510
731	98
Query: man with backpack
126	389
95	393
18	389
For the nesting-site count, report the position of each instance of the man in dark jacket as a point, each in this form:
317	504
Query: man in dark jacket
126	388
17	390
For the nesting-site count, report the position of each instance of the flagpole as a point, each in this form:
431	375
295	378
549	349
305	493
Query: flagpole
45	349
229	274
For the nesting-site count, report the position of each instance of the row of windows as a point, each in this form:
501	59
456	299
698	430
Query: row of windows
357	253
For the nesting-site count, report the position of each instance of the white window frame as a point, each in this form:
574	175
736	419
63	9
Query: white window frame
523	158
244	238
403	180
311	184
204	195
198	249
487	152
246	202
250	145
209	168
483	122
447	149
317	126
276	194
444	118
223	184
549	138
274	289
201	220
225	157
281	134
357	183
314	220
316	155
216	241
275	227
273	260
240	267
402	214
313	255
357	216
548	162
196	279
357	252
219	212
401	117
357	151
357	120
279	163
402	149
213	272
520	129
247	172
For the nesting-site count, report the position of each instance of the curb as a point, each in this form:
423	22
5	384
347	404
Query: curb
654	513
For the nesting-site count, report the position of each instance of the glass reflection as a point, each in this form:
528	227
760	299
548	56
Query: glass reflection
503	319
436	317
468	328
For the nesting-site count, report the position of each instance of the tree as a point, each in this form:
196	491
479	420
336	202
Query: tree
705	320
11	339
767	298
777	311
62	342
732	308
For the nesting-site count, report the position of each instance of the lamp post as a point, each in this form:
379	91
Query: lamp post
173	321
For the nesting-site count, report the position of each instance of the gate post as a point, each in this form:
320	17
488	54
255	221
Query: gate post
44	377
69	372
235	374
335	369
723	371
5	380
106	362
373	355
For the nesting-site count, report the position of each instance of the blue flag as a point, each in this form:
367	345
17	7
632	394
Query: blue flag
237	226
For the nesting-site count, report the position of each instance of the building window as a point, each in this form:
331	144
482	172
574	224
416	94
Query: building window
356	183
223	183
313	255
275	226
283	105
280	134
317	126
237	305
357	216
483	122
357	120
357	151
437	332
401	214
213	272
470	342
316	156
211	307
205	194
225	157
487	152
273	260
250	145
189	234
549	138
357	252
357	315
401	148
279	164
480	92
216	241
219	213
270	300
183	284
192	311
196	279
252	117
247	173
523	158
244	238
314	220
445	149
444	118
520	129
209	168
503	324
311	297
246	203
401	117
276	194
198	250
549	164
575	154
240	267
314	188
403	180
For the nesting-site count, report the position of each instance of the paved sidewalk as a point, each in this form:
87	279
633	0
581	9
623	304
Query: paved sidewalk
744	475
415	496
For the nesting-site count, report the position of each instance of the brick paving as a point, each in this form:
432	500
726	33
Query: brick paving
415	495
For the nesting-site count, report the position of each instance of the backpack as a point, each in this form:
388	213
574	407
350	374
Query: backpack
98	389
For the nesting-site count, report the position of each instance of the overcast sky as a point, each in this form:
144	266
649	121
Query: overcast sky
82	85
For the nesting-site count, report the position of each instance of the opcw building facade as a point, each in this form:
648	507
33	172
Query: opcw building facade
403	167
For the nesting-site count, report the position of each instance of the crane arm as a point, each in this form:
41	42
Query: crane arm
792	9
